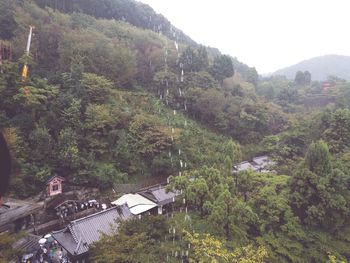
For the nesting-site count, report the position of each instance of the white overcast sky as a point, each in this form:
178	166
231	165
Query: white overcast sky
266	34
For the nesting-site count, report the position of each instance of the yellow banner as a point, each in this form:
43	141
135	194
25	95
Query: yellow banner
25	71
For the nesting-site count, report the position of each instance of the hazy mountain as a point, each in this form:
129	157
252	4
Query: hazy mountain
320	67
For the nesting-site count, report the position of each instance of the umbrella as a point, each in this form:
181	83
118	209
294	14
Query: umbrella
49	238
42	241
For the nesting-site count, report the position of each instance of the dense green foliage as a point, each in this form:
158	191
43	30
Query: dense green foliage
133	241
94	111
303	78
148	240
7	251
133	12
80	115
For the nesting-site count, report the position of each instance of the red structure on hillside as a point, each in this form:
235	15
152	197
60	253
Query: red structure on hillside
55	185
327	85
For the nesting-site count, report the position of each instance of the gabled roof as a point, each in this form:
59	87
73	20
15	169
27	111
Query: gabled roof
136	203
82	232
65	239
159	195
55	177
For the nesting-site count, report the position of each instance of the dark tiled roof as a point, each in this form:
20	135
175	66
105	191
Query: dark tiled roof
66	240
159	195
81	233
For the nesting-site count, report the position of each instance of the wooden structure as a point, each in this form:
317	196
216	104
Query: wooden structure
55	185
16	215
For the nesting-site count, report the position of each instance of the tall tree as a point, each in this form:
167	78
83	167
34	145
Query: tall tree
230	216
222	68
197	193
40	145
317	158
188	59
317	191
5	171
307	76
134	241
67	150
208	249
7	19
202	61
233	151
299	78
338	132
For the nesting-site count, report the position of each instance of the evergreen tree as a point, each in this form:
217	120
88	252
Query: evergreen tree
317	158
7	19
307	76
222	68
317	191
338	132
299	78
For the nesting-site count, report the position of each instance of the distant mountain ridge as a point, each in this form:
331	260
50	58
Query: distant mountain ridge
320	67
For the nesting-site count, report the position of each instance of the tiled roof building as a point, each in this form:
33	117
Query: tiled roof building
159	195
259	164
81	233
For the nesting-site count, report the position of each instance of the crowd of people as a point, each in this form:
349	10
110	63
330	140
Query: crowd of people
71	208
49	252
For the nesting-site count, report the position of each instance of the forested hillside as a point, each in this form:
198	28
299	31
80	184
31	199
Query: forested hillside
133	12
116	94
76	107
